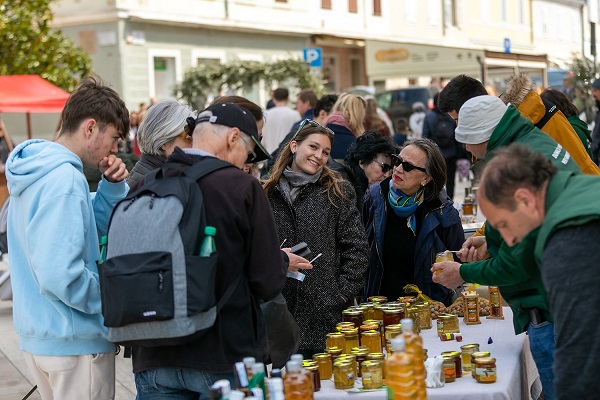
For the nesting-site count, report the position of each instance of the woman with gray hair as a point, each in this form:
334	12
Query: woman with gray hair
163	128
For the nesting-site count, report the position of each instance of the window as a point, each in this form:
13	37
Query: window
503	11
450	17
377	7
326	4
521	12
353	6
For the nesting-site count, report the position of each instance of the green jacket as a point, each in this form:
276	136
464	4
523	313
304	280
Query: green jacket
564	192
513	269
582	131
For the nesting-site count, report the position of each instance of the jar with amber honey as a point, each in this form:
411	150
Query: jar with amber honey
468	206
353	315
342	326
325	365
474	357
392	316
391	331
413	313
447	323
471	308
367	310
361	355
378	311
377	357
485	370
495	303
449	368
372	374
350	340
352	358
334	352
335	339
372	340
380	328
457	361
343	374
377	299
313	368
424	315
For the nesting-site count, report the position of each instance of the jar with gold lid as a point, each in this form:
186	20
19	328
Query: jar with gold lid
335	339
325	365
334	352
361	355
485	370
343	374
313	368
344	325
471	309
466	351
353	315
350	339
447	323
377	357
391	331
372	374
496	311
352	358
413	313
474	357
378	311
367	310
377	299
392	315
449	368
372	340
457	361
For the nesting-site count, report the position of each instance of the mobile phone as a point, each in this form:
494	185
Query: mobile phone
301	249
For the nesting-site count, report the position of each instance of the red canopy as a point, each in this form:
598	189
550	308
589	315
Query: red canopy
30	93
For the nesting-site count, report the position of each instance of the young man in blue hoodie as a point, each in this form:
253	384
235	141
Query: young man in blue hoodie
54	225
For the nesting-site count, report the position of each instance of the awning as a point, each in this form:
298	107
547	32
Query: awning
30	93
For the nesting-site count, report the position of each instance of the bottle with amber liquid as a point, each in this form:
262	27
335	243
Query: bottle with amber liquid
496	311
414	346
399	372
298	383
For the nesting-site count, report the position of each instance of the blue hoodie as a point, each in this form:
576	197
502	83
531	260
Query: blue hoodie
53	229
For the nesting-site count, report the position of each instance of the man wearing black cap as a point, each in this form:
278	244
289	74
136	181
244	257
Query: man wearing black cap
247	242
596	132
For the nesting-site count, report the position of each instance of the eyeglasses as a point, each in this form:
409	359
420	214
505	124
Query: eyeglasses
406	166
384	167
251	153
311	123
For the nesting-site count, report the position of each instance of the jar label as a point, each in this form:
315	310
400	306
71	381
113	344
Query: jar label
486	374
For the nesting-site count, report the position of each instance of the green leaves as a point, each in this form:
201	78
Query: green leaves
29	46
210	79
583	71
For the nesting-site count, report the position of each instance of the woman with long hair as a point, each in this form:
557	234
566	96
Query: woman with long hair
408	218
312	204
346	122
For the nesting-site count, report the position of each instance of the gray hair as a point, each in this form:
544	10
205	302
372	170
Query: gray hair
161	124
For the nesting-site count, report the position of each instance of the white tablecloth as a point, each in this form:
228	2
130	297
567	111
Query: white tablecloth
517	377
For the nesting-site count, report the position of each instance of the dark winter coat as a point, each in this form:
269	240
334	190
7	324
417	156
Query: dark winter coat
342	141
147	163
440	230
338	275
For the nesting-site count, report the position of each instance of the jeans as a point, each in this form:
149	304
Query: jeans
542	340
176	384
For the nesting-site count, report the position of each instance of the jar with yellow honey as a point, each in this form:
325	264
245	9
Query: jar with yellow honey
343	374
485	370
372	340
325	365
372	374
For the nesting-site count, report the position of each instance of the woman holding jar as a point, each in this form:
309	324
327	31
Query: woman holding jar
408	219
312	204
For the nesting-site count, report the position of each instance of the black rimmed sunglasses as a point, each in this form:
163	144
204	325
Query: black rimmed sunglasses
311	123
406	166
385	168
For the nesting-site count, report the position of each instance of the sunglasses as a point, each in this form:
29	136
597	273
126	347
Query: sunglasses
313	124
251	153
384	167
406	166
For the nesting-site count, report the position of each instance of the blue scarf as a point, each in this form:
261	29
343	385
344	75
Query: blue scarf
405	206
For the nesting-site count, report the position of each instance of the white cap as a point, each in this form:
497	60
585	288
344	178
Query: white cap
225	386
478	118
407	325
398	343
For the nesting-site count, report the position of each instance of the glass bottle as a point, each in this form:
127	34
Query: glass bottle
298	385
398	369
414	346
208	246
466	351
495	303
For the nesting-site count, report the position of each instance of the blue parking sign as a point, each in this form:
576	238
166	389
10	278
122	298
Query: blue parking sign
313	56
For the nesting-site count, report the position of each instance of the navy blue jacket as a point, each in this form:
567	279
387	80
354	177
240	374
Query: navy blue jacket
440	230
342	140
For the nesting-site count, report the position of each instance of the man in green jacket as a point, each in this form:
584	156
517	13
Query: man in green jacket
486	123
556	215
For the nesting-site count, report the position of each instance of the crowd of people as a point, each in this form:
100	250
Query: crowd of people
331	174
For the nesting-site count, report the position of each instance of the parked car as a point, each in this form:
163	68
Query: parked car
398	102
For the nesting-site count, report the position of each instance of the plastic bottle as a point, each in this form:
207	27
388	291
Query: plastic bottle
414	346
275	389
399	372
248	363
258	377
298	384
241	377
208	246
225	386
103	242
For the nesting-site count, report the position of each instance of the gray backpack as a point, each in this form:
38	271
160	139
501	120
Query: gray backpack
156	290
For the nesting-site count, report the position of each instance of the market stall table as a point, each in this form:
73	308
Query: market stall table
517	377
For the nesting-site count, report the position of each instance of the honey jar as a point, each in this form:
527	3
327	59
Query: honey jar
313	368
466	351
471	309
367	310
334	340
325	365
457	361
485	370
372	374
350	340
353	315
372	340
352	358
334	352
377	299
344	325
447	323
392	316
361	355
377	357
495	303
343	374
424	315
378	311
391	331
474	357
449	368
413	313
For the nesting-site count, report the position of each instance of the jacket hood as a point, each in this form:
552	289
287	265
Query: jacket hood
33	159
519	87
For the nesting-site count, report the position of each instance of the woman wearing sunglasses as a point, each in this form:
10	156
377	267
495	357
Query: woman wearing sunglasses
408	219
312	204
370	160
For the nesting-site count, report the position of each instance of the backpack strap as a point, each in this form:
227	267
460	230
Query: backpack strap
206	166
551	109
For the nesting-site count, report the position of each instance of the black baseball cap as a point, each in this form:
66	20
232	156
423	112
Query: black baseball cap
234	116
